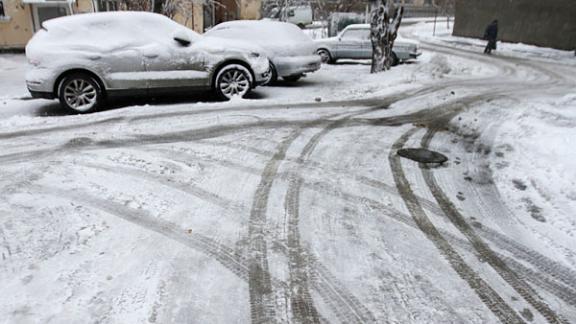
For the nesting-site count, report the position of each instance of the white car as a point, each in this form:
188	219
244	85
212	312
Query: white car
291	52
83	59
354	42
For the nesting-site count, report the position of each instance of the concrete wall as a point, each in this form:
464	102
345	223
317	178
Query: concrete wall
548	23
16	30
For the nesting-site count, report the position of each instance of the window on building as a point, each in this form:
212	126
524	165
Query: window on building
108	5
2	13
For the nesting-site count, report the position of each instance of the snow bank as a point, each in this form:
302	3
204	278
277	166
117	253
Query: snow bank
437	67
534	165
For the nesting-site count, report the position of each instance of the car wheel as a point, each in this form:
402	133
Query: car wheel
232	81
325	56
395	60
80	93
292	78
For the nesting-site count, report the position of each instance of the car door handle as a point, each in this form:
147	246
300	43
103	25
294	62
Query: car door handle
151	55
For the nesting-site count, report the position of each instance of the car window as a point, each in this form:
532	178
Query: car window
356	34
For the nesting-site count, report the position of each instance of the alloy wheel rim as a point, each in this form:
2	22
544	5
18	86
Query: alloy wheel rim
80	95
234	83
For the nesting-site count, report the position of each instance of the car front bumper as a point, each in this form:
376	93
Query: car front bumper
415	55
263	78
40	80
297	65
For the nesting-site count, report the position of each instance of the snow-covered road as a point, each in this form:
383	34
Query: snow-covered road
286	209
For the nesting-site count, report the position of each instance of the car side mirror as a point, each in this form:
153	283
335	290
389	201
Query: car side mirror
182	38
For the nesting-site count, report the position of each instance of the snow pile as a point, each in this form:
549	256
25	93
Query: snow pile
535	163
438	67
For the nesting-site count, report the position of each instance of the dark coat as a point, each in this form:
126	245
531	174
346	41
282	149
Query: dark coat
491	32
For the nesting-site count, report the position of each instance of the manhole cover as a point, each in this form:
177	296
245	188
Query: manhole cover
422	155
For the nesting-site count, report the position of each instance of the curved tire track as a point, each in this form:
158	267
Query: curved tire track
488	296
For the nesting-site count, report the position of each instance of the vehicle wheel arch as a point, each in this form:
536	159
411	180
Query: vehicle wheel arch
274	72
331	59
69	72
395	59
229	62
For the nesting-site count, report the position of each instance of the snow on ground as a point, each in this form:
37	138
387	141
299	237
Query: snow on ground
535	166
443	35
12	70
166	212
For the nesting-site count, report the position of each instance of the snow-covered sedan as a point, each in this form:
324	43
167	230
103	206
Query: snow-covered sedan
354	43
291	52
83	59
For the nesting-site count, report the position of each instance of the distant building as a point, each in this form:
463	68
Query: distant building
549	23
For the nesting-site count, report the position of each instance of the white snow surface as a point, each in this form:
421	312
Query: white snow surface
139	215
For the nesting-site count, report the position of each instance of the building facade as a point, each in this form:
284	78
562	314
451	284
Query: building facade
550	23
20	19
226	10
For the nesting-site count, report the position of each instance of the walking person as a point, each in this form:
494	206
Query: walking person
491	35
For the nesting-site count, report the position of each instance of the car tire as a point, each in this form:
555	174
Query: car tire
325	56
395	60
292	78
273	74
80	93
233	80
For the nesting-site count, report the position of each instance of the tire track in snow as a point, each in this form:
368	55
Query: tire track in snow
488	296
547	267
459	221
566	295
205	245
262	298
301	300
345	306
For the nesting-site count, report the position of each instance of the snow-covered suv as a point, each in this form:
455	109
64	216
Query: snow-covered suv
82	59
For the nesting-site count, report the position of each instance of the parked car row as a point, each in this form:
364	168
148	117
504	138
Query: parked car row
84	59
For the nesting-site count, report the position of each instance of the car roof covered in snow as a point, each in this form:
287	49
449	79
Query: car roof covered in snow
399	38
106	28
277	38
262	31
358	26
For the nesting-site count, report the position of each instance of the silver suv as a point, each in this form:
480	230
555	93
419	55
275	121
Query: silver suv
83	59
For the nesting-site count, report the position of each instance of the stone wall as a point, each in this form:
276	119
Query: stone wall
548	23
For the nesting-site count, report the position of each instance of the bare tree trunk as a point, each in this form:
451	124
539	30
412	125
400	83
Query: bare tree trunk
383	32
